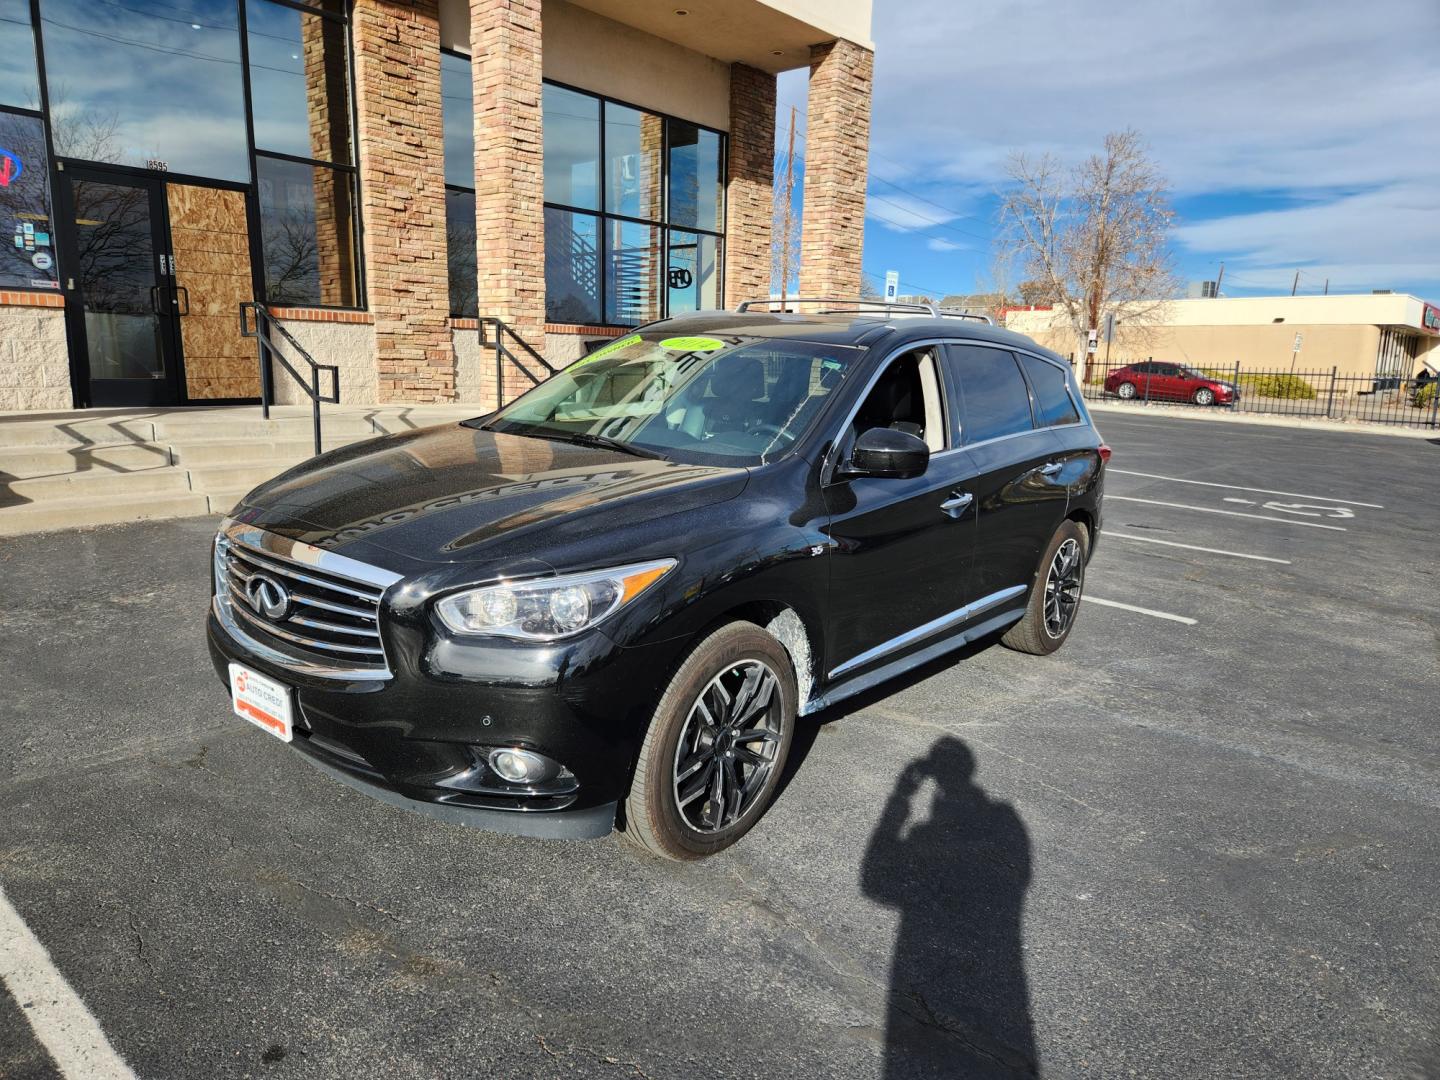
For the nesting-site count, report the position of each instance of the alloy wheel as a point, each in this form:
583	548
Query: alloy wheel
1204	396
1062	588
727	747
1125	390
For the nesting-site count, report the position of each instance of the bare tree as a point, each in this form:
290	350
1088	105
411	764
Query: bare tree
785	227
1092	240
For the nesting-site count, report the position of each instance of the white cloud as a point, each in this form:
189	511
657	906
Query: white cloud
939	243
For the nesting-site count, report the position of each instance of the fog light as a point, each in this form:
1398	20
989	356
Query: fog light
521	766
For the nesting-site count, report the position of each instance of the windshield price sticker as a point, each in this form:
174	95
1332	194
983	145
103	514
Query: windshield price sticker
692	344
613	347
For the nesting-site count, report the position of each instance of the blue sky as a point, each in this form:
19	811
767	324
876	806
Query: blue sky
1295	135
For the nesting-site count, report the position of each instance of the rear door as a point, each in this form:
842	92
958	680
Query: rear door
1018	488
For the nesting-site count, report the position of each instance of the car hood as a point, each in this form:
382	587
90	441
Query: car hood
455	493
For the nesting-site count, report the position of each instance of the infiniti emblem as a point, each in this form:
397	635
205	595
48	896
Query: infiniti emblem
267	596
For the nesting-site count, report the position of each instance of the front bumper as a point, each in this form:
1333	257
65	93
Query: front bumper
584	704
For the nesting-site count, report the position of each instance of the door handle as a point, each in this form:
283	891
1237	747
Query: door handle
1052	468
182	293
958	503
155	300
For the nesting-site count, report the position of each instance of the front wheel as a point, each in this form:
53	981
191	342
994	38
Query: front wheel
1125	390
1055	596
1204	396
716	745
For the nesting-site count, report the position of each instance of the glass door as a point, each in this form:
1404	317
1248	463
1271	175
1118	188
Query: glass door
123	302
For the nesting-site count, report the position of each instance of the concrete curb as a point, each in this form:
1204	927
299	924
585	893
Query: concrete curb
1224	416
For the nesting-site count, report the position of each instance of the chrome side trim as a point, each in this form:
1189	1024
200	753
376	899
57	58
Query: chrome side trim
929	629
221	608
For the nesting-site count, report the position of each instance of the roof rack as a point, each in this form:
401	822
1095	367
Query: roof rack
840	305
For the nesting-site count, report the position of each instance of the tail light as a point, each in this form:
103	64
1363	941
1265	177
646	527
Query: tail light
1105	452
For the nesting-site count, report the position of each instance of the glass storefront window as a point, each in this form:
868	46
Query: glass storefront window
148	83
572	148
633	141
457	96
299	82
632	272
19	81
460	246
572	267
28	259
695	180
692	273
307	233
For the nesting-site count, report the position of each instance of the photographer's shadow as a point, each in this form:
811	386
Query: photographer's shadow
957	870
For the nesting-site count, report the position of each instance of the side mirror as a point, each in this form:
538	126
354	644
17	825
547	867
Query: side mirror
889	453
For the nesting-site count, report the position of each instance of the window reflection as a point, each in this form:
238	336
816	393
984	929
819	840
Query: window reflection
692	274
457	96
299	82
460	245
633	141
632	282
572	148
19	84
307	233
572	267
146	81
27	244
694	176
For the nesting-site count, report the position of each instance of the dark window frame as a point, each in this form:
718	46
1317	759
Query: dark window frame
458	189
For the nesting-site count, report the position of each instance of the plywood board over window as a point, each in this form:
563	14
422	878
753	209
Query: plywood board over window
212	264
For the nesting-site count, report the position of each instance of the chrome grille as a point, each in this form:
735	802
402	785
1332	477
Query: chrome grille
314	610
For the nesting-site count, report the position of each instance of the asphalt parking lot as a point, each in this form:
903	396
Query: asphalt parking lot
1203	840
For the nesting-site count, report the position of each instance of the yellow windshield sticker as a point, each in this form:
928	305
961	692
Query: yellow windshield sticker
692	344
604	351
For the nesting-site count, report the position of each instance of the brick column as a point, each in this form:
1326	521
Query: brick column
509	174
749	184
402	193
837	143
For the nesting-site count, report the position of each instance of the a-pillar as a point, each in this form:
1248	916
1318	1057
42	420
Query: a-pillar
837	145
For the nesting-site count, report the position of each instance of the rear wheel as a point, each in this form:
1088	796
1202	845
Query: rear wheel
1125	390
717	743
1055	597
1204	396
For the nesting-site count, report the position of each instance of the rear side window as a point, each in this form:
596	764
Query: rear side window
996	401
1053	404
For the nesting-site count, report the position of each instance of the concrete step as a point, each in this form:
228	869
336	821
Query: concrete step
281	452
190	428
97	484
75	513
25	463
74	433
222	502
232	477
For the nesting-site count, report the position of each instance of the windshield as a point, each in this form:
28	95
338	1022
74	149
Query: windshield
699	400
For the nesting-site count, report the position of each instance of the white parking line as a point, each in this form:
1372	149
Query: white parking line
1139	610
1195	547
1228	513
62	1023
1238	487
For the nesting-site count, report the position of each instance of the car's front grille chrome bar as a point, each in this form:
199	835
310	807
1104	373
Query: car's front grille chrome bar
271	591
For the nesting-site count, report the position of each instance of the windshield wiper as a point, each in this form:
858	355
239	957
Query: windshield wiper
604	442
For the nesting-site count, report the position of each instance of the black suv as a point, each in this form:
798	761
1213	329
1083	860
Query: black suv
612	598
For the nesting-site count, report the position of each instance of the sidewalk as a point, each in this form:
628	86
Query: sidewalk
1222	415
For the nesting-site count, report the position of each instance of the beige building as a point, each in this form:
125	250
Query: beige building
1386	335
387	176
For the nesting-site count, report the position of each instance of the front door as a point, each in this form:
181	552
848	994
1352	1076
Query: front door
122	302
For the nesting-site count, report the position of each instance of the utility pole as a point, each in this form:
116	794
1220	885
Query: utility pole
1327	287
1295	284
788	213
1219	280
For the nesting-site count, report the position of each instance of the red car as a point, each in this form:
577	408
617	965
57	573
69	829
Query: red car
1155	380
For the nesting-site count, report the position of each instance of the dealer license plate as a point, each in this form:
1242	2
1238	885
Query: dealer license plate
264	702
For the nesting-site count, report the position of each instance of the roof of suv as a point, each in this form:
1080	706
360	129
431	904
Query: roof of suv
861	328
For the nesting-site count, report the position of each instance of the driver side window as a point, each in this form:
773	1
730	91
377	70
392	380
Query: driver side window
907	398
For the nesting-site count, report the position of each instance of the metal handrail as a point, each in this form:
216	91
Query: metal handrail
861	305
503	353
266	350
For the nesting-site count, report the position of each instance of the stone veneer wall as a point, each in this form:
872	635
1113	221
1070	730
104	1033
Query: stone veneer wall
349	345
34	359
750	185
402	191
837	145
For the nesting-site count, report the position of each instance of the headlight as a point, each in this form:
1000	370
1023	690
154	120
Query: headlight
549	608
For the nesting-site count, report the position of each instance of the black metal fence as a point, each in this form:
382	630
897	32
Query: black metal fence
1404	401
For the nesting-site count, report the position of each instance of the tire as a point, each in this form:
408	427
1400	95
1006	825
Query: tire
1204	396
1036	632
656	820
1125	390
